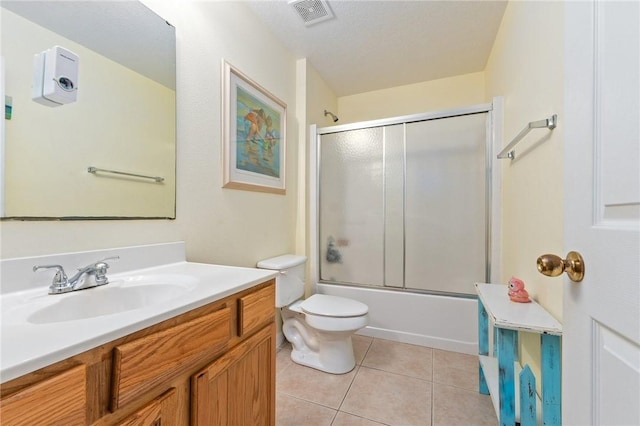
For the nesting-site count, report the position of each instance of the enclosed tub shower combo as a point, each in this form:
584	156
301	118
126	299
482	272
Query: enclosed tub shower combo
401	221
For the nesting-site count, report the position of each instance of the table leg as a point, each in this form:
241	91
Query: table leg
507	340
551	379
483	344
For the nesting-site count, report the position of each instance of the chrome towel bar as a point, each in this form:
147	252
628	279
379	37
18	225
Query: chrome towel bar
94	170
548	123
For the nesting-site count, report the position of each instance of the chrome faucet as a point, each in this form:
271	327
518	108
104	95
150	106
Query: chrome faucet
92	275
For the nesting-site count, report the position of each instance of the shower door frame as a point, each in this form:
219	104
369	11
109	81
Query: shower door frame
493	134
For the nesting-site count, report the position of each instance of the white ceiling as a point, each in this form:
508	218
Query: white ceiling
372	45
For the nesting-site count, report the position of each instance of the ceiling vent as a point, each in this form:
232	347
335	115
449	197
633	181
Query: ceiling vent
312	11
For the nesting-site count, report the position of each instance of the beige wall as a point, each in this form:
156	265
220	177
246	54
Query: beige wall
317	96
435	95
313	96
219	225
526	67
320	97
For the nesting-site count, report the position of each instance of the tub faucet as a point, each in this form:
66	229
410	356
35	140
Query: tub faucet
92	275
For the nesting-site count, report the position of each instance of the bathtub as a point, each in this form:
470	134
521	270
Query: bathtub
441	322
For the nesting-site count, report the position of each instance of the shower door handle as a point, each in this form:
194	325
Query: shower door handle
553	266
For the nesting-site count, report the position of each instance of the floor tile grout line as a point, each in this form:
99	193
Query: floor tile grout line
397	374
283	369
455	386
357	367
334	418
385	372
306	400
367	351
365	418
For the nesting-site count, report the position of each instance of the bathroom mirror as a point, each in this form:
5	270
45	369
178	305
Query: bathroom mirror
111	153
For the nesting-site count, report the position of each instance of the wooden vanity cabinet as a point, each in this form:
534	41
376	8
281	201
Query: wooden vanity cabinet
161	411
58	400
145	363
214	365
239	387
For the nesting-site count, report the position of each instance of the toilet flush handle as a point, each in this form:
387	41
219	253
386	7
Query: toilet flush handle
283	272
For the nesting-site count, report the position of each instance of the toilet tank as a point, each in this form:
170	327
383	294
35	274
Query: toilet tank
290	282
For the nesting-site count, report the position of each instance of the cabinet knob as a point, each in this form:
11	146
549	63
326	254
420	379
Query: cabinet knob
553	266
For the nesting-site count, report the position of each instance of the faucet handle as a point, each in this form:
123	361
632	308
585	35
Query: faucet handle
100	264
60	280
101	267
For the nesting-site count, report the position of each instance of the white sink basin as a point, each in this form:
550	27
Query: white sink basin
120	295
106	300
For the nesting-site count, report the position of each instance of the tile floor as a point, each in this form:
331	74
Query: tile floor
392	384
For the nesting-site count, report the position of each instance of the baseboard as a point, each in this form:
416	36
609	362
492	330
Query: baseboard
421	340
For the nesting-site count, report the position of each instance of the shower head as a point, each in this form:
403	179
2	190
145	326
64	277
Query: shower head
333	116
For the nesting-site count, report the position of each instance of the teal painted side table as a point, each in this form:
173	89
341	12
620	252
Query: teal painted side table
513	389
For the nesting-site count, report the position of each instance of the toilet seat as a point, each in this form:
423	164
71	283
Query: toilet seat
333	306
337	324
332	313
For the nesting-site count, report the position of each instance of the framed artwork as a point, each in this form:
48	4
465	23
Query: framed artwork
254	135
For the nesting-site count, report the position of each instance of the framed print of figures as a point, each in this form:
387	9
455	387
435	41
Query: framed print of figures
254	129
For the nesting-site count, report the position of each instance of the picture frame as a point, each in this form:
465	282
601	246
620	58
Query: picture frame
254	135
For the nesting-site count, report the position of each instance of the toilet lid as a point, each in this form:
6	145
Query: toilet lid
333	306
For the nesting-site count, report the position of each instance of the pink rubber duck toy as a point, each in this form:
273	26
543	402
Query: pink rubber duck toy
517	293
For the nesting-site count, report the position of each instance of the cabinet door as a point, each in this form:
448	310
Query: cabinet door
239	387
58	400
159	412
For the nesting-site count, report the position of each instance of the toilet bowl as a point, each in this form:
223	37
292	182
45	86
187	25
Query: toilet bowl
320	327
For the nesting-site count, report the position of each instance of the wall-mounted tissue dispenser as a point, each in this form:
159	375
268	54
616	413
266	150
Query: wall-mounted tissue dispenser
55	77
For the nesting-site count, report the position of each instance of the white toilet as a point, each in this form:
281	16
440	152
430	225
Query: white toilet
320	327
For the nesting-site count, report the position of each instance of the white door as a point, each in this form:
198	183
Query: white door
601	338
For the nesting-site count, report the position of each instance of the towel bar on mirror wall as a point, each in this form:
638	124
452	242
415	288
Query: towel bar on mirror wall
94	170
548	123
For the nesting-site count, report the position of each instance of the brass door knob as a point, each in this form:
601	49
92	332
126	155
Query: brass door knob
553	266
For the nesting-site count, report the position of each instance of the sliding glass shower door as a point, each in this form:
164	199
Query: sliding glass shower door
351	215
445	204
405	205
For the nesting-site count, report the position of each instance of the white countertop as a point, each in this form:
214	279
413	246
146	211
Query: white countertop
27	346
